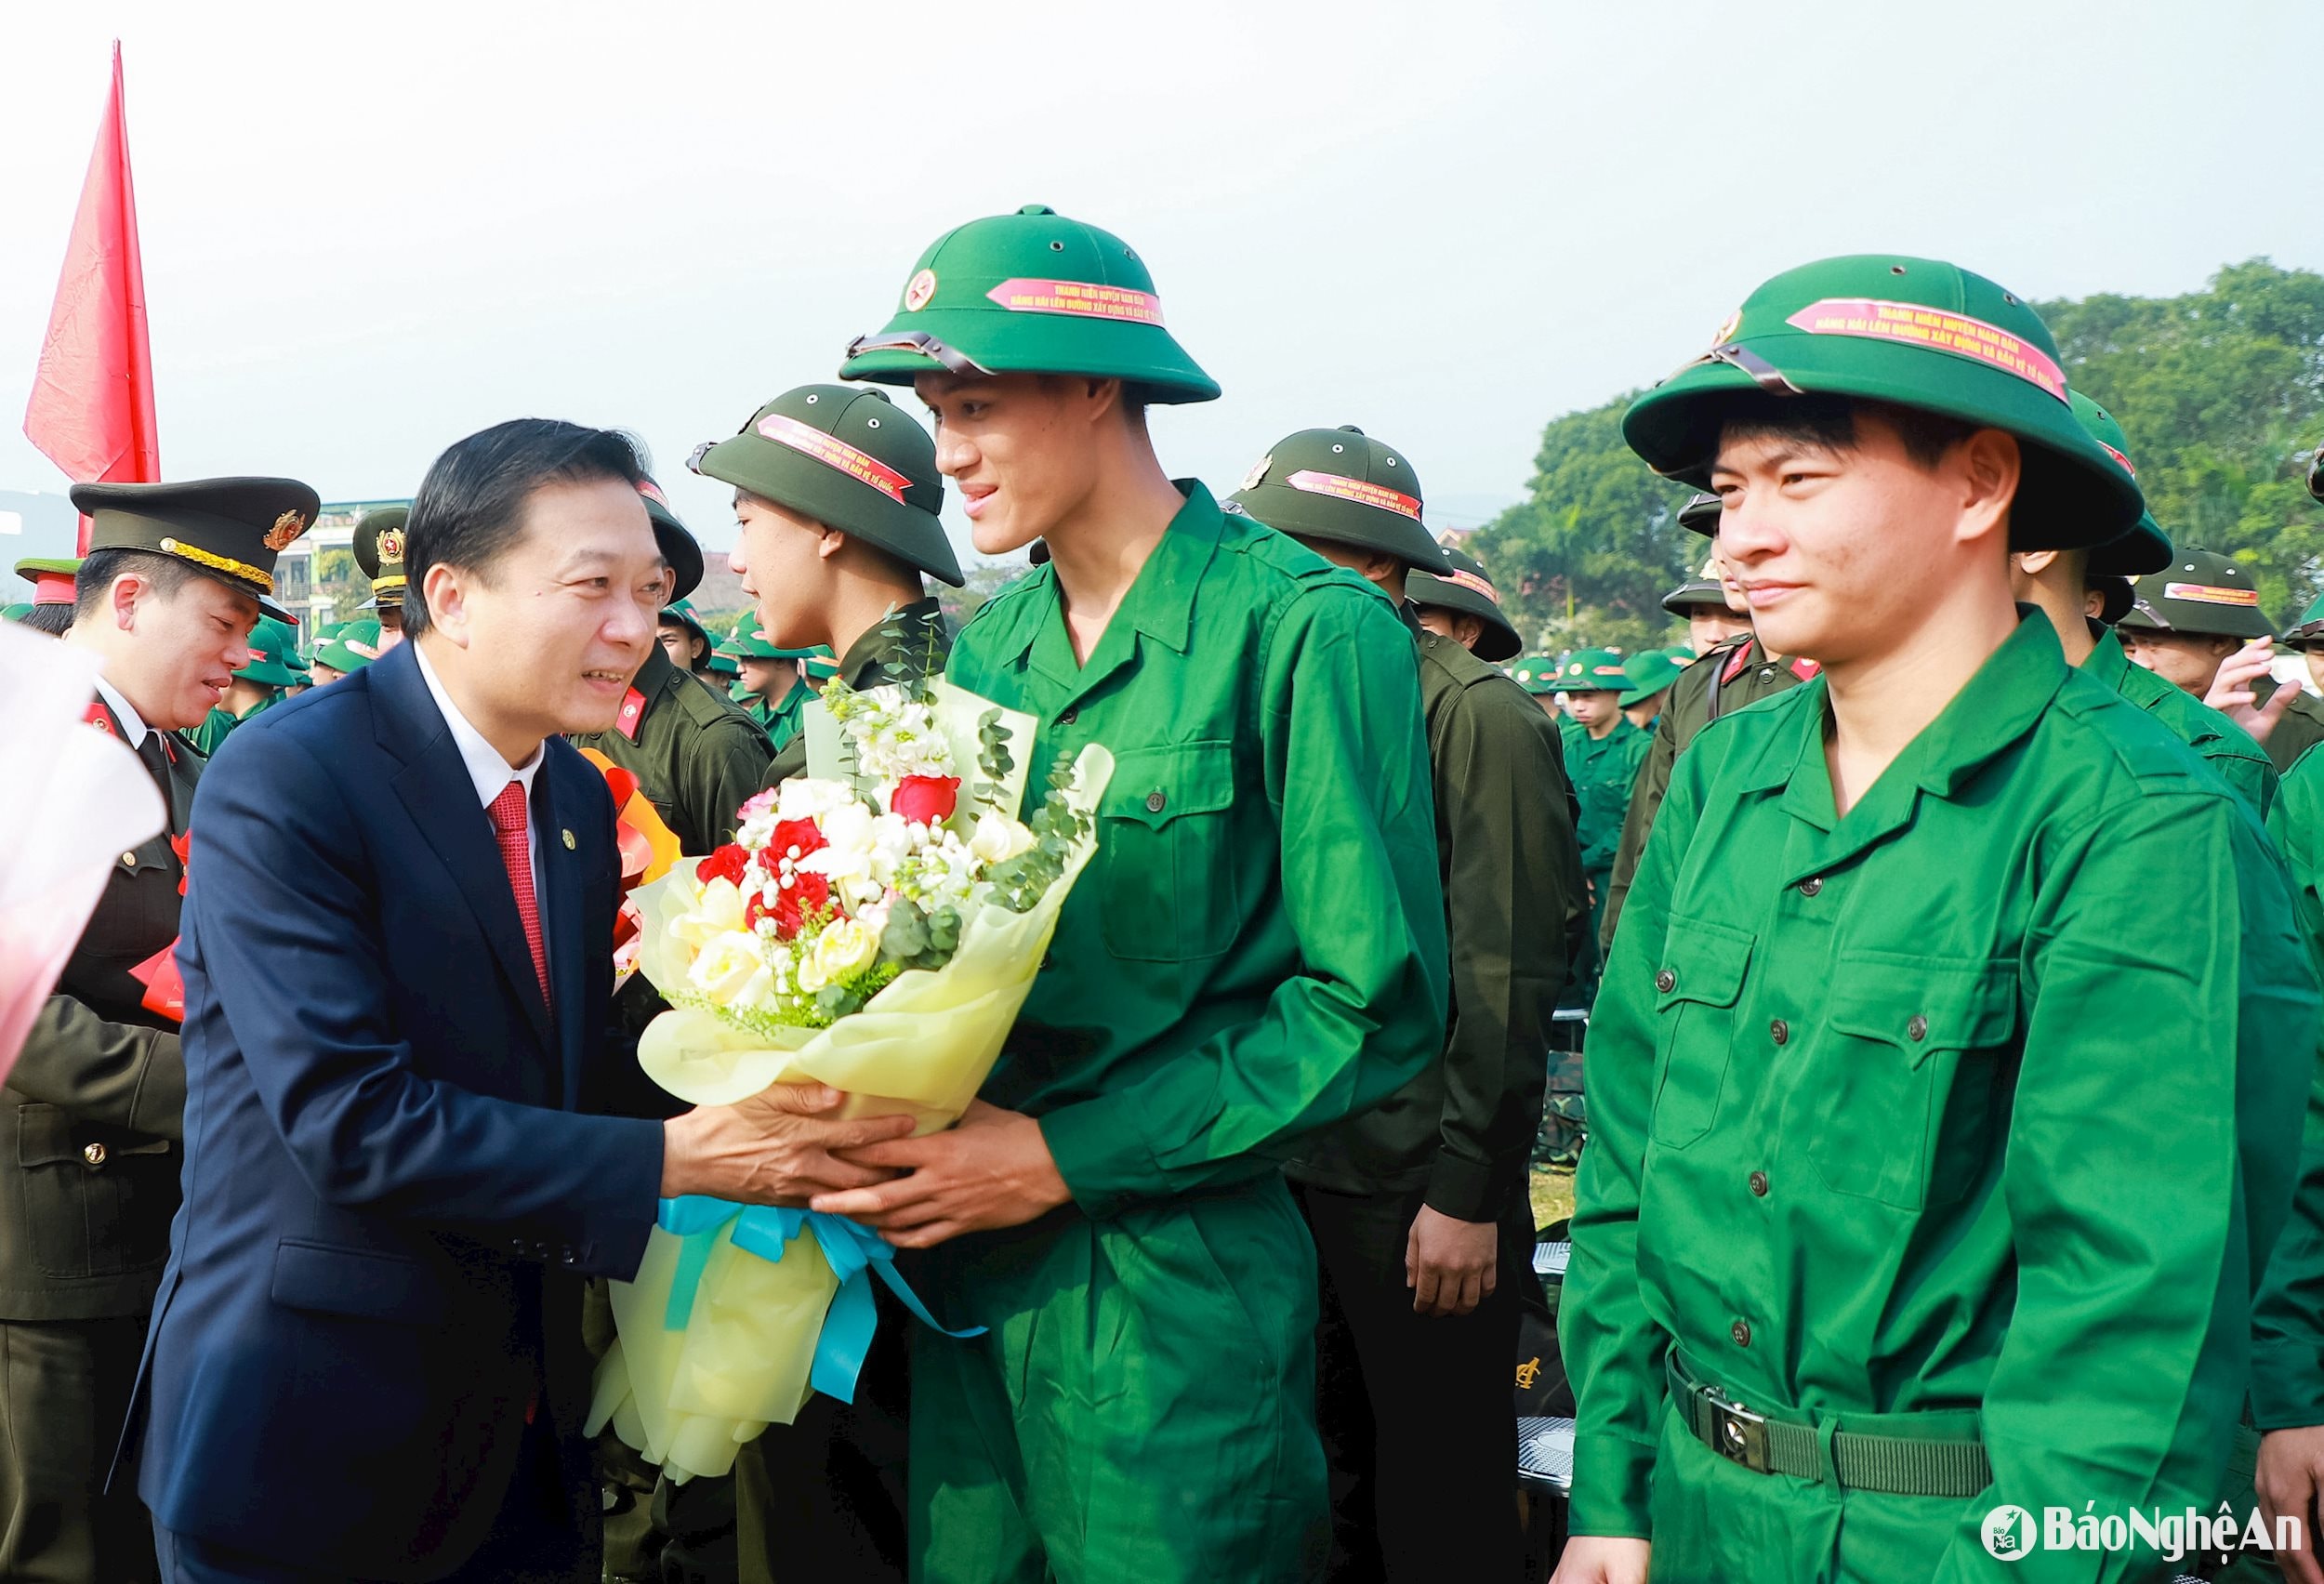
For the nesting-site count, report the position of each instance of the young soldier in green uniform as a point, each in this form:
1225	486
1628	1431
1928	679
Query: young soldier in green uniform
1256	951
1869	1242
2082	590
378	546
259	684
1602	757
2197	623
90	1113
772	686
1732	673
1464	606
687	643
350	648
836	496
1418	1208
836	500
1650	676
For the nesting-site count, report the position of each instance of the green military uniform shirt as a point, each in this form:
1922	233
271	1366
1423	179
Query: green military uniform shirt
1602	770
2300	729
2221	744
1733	673
1515	911
697	758
220	721
780	722
2288	1328
913	641
1865	1140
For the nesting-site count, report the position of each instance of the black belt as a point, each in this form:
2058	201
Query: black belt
1896	1465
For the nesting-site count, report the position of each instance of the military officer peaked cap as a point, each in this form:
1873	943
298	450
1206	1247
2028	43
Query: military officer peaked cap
2200	592
1031	293
849	459
380	536
1594	670
1467	590
1918	333
51	580
226	529
1343	486
680	547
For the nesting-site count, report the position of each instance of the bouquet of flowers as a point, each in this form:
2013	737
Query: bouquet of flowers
875	928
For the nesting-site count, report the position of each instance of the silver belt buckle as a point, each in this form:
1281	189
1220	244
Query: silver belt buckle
1737	1434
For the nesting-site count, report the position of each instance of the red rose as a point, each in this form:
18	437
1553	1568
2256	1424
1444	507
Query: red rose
926	799
805	835
807	893
727	863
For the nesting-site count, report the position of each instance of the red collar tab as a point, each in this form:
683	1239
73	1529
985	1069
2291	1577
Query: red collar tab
1736	664
632	711
1805	670
98	716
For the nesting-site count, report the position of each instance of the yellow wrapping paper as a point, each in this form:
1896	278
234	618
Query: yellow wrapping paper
687	1399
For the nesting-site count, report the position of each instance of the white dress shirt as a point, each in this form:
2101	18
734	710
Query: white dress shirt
491	773
133	726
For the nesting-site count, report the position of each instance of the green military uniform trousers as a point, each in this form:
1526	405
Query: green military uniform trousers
1169	1353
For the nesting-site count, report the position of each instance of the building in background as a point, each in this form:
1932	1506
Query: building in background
316	578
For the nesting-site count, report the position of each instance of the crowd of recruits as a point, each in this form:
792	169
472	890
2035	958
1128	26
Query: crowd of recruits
1288	1055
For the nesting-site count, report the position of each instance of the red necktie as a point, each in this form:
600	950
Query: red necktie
516	855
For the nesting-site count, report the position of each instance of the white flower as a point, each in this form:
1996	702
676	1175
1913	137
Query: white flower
998	838
841	947
723	967
717	911
804	800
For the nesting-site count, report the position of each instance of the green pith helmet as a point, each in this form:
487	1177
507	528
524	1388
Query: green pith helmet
271	645
1700	515
354	646
2199	592
2146	547
2311	627
1921	333
225	529
680	547
682	613
1465	589
379	540
51	578
1682	655
2316	474
1341	484
820	664
1537	674
724	665
849	458
1703	592
749	642
1031	293
1648	673
1594	670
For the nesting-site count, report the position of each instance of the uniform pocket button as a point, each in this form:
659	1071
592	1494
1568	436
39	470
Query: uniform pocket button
1917	1028
1741	1332
1155	802
1666	981
1810	886
1069	718
93	1155
1759	1183
1779	1031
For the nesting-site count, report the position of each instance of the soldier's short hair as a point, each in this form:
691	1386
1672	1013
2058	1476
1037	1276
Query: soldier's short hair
1828	421
164	575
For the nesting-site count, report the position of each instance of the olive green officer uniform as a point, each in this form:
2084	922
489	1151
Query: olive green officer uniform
1414	1411
1466	590
1256	950
1977	1291
90	1113
272	644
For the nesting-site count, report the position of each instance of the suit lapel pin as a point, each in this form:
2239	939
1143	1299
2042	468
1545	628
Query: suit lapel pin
570	843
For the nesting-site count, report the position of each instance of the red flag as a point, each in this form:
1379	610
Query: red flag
92	406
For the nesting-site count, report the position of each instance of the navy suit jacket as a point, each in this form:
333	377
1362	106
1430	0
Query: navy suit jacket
392	1192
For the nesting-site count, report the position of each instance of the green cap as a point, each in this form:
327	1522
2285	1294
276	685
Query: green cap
271	645
51	578
354	646
679	546
849	459
1343	486
724	665
820	663
1921	333
1465	589
1702	591
16	611
1648	672
229	529
2146	547
1682	655
380	540
1537	674
682	613
2311	626
1594	670
1030	293
1700	515
2200	592
749	642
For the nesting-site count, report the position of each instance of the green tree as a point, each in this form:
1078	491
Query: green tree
1587	557
2221	393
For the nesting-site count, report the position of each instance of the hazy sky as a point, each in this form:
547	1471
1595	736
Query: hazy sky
370	231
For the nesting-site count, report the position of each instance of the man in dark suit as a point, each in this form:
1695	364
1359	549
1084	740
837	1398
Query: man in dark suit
397	957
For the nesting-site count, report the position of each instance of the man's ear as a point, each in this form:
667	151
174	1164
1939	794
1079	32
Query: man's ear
447	599
1989	467
126	591
831	542
2034	562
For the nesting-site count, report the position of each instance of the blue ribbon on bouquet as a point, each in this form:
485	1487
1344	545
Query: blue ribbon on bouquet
856	1254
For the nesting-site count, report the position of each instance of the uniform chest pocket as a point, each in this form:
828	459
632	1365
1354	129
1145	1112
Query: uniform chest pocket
97	1200
1696	991
1168	893
1905	1093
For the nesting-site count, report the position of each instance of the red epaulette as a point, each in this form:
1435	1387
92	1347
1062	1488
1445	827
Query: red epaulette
632	711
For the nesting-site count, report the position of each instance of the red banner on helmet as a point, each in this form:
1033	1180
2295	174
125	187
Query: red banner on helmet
1938	329
1472	583
1356	490
1022	296
2211	594
832	452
